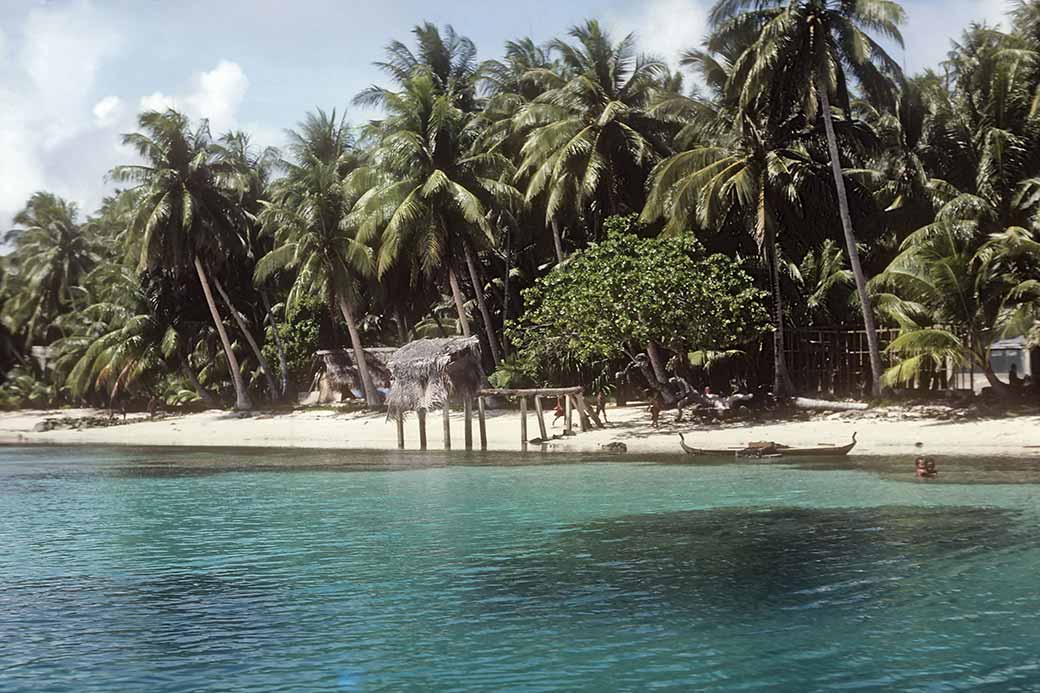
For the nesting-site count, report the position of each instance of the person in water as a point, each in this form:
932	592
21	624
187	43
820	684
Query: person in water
924	467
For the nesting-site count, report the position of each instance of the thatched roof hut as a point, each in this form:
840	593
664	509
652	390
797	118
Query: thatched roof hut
427	373
336	377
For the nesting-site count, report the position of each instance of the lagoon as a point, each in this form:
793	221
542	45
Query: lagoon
169	570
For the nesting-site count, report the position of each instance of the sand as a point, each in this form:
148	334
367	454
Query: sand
880	432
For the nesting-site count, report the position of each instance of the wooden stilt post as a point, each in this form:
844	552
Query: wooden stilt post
583	415
467	408
523	423
482	423
400	431
422	429
447	426
541	419
568	419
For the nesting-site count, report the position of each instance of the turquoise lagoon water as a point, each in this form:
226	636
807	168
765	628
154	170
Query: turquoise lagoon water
232	570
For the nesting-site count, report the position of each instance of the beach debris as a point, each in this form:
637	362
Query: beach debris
828	405
72	423
615	446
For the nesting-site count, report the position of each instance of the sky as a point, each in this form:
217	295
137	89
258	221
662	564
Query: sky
74	73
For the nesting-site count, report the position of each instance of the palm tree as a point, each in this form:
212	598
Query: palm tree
953	297
250	173
799	63
307	217
184	217
750	174
52	254
592	140
433	200
449	59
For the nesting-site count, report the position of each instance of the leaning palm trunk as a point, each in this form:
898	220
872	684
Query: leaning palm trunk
485	314
242	400
460	306
359	352
782	385
850	242
283	362
557	241
241	322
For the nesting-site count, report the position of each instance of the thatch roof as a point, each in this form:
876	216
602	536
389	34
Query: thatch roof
337	378
426	373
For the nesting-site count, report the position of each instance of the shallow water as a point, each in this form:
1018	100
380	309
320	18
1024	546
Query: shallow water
285	570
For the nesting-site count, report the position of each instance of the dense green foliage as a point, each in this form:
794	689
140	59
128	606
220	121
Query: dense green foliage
614	297
805	174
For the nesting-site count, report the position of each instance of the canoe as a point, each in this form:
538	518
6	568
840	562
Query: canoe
771	450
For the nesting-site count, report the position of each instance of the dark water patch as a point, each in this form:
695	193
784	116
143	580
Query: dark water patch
754	560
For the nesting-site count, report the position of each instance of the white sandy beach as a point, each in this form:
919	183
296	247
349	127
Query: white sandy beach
880	432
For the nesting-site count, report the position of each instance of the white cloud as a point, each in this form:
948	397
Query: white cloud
220	92
216	96
46	85
56	132
663	28
157	101
108	110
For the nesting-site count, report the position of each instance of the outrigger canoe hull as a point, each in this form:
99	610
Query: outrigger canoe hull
772	452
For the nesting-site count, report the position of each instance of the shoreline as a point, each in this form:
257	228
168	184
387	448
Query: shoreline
882	431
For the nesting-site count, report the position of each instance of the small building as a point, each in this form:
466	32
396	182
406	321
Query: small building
1003	354
428	373
336	377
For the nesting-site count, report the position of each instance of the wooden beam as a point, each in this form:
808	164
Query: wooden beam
467	408
422	429
482	423
541	419
568	419
523	423
447	426
400	431
543	391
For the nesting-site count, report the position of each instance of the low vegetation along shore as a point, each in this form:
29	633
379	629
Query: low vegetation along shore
881	431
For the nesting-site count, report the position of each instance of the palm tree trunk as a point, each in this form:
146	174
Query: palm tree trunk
359	353
506	347
242	401
557	241
244	328
485	314
283	362
456	294
998	385
873	345
657	362
402	327
782	385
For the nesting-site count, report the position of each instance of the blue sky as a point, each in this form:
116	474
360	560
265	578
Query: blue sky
73	73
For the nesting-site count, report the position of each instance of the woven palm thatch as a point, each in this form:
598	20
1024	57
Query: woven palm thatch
337	377
426	373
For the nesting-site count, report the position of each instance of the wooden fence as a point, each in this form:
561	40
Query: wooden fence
836	361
